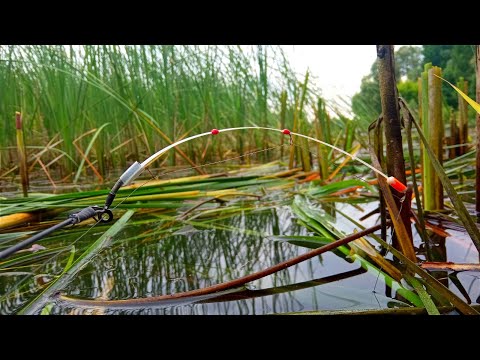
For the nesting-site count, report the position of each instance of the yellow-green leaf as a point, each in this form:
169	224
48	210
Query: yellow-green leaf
47	309
70	259
472	103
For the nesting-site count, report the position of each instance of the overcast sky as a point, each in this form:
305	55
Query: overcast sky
338	68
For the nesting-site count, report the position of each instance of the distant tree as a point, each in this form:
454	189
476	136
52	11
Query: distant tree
438	55
409	91
456	61
366	103
408	62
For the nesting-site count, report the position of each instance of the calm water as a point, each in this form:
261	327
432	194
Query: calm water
149	259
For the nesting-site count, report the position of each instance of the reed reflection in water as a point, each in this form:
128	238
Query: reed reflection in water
192	258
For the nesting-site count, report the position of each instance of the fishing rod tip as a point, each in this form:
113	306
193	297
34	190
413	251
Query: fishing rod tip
396	184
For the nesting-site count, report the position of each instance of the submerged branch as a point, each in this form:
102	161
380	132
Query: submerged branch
441	266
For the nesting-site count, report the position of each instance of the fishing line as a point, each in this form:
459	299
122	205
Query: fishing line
316	156
134	170
40	267
157	177
216	162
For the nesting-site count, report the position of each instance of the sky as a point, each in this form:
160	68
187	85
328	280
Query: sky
338	69
333	66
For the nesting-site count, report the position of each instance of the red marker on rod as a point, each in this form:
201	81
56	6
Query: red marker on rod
396	184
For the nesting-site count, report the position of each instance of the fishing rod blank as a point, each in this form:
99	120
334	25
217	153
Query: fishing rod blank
73	219
136	168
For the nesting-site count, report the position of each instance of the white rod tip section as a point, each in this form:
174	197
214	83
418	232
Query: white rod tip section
397	185
131	173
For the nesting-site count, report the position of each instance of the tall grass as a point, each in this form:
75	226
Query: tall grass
150	95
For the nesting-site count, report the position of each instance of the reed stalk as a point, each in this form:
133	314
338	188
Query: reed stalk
322	134
427	168
22	158
393	136
462	116
151	95
452	152
434	191
283	111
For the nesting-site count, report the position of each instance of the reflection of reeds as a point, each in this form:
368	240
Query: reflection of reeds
169	264
220	242
148	260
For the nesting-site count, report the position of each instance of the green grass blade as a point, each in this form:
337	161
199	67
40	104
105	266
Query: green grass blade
337	186
458	204
47	309
432	284
70	260
424	296
89	147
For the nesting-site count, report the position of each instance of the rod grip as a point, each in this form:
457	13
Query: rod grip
83	214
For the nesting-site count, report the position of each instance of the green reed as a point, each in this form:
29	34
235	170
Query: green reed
150	95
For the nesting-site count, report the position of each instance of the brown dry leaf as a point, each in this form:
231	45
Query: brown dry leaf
441	266
363	245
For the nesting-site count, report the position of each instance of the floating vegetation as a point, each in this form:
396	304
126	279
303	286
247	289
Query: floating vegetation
251	199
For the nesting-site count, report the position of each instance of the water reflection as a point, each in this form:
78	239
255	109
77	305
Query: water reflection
158	257
202	257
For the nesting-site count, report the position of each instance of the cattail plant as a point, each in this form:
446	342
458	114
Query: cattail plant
393	137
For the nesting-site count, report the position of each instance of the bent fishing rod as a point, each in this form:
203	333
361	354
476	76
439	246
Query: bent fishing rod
103	214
